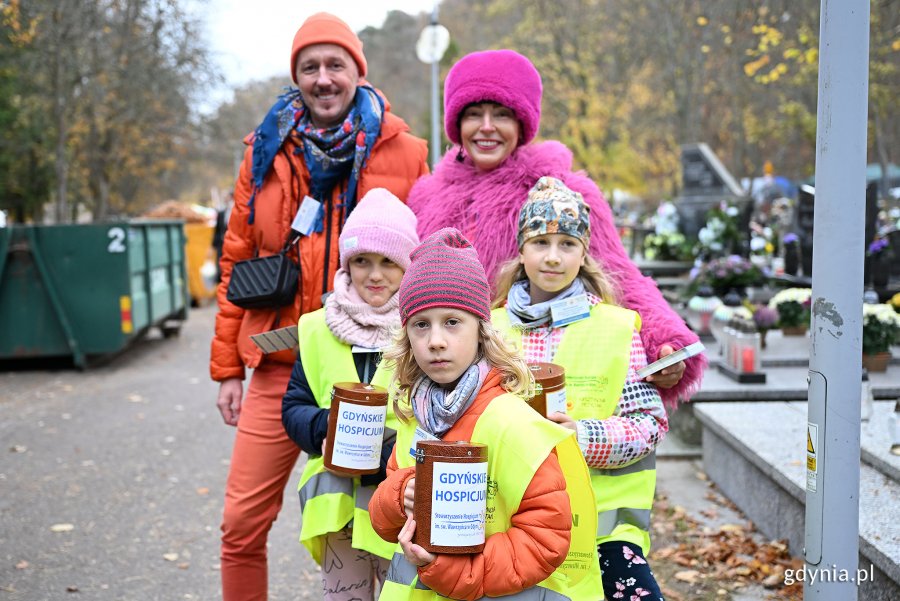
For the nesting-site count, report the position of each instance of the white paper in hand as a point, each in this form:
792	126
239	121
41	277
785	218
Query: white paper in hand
679	355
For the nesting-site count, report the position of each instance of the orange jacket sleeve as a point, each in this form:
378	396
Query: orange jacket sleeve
386	505
225	361
534	546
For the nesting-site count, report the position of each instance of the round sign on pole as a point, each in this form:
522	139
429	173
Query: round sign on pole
432	43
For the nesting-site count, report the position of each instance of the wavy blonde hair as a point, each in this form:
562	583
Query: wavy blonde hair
595	278
515	376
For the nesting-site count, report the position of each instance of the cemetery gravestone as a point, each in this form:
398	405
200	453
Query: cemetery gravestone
705	183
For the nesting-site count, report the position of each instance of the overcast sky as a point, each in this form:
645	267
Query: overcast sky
252	39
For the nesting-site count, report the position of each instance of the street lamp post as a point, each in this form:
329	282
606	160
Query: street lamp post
430	48
832	465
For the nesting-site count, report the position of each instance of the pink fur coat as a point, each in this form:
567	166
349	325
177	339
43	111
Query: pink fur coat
485	207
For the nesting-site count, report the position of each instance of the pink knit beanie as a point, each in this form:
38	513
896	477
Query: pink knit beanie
502	76
379	224
445	272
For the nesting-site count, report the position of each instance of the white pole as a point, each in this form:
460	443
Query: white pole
435	104
832	487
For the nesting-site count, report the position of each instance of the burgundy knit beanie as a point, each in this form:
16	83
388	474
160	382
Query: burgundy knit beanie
445	272
502	76
379	224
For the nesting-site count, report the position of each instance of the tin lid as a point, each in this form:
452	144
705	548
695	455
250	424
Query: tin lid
360	393
548	375
451	449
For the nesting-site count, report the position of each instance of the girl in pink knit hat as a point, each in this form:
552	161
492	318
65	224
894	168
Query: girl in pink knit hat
492	111
338	343
457	380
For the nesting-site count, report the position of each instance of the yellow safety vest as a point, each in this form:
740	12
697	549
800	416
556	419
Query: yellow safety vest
595	353
330	502
518	442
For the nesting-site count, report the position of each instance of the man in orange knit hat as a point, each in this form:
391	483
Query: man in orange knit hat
323	145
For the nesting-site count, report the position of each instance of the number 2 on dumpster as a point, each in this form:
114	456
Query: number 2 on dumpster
116	237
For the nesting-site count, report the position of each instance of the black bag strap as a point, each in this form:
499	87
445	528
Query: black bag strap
292	238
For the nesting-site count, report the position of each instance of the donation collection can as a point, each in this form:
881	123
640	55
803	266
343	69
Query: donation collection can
450	496
550	388
355	428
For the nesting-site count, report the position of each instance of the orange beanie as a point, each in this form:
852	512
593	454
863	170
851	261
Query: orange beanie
324	28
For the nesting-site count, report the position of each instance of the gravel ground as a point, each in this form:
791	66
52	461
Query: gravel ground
112	480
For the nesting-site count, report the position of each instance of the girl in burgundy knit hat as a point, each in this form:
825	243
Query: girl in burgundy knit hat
457	380
492	111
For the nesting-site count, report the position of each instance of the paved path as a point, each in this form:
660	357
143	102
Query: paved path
133	456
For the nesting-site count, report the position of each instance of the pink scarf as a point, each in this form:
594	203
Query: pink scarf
355	322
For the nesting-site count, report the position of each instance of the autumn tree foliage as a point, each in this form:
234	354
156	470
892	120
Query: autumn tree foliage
98	98
627	82
104	91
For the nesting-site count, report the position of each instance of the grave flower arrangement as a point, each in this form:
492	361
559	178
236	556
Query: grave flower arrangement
881	328
793	306
726	273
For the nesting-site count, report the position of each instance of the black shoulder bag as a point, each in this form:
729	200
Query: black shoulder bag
265	282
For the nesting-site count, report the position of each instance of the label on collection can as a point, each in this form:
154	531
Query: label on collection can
556	401
459	493
358	436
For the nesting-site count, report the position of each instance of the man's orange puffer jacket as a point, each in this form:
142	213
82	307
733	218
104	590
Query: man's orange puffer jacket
396	161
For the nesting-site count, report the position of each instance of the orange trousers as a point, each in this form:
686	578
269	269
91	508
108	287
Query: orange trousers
261	463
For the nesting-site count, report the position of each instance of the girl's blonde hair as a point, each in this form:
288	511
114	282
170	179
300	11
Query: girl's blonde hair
515	375
595	279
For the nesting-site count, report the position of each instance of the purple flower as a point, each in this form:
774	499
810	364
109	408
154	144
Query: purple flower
790	238
878	245
764	317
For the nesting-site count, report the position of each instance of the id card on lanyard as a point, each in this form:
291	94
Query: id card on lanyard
569	310
420	434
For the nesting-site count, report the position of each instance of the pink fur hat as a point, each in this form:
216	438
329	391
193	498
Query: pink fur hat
379	224
502	76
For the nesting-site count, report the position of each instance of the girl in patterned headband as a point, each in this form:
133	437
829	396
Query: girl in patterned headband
561	307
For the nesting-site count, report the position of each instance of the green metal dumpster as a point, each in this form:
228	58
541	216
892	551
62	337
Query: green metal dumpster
85	291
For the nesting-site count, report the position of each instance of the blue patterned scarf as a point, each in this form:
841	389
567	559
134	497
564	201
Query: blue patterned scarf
331	154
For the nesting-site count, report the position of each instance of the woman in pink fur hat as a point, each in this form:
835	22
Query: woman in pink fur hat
492	110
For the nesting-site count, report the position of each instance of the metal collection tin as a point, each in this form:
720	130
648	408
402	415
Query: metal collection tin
355	428
460	493
550	386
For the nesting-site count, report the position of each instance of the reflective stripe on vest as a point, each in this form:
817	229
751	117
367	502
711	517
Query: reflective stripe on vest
594	383
330	503
647	463
324	483
403	573
609	520
511	458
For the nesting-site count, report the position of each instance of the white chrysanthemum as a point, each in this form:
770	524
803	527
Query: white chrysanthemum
797	295
882	312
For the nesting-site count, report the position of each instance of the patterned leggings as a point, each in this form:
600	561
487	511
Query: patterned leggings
350	574
626	574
